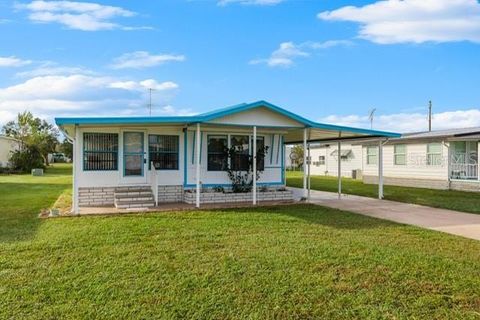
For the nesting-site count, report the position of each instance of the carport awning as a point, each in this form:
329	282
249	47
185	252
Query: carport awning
325	132
343	153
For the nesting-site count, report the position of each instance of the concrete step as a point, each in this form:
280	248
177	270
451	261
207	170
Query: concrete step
132	194
132	188
128	200
134	197
135	205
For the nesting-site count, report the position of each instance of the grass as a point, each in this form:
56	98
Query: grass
292	262
446	199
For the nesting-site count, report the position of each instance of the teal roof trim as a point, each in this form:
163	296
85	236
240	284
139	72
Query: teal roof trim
209	116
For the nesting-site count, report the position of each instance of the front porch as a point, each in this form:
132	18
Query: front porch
463	160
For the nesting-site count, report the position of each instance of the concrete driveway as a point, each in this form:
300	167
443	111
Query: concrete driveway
454	222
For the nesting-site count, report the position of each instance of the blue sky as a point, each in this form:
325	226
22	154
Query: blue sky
328	60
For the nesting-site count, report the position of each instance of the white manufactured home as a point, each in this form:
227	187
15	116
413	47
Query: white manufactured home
130	161
444	159
7	146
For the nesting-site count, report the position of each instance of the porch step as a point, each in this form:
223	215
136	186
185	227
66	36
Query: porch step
135	197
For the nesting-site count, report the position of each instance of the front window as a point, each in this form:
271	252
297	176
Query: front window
239	161
260	155
217	158
163	151
400	154
434	154
100	151
371	155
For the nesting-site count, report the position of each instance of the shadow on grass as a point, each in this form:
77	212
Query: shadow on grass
20	204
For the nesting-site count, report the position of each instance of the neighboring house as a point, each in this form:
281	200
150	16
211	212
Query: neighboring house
324	160
7	146
112	155
444	159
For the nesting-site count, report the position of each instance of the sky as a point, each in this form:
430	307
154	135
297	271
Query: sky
331	61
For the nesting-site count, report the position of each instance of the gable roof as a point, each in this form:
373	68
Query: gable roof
219	113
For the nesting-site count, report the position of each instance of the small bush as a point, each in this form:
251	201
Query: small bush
218	189
26	159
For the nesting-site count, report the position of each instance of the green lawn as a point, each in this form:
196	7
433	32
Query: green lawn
447	199
297	261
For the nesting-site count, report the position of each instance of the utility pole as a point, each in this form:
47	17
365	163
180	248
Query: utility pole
430	115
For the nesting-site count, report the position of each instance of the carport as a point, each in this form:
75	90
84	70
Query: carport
319	133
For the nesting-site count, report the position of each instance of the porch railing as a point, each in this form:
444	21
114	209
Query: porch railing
464	171
154	182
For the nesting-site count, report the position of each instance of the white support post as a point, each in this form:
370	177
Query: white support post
75	163
254	152
197	157
339	168
380	169
478	166
304	162
309	161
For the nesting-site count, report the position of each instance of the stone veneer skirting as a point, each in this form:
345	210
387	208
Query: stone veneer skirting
221	197
96	197
473	186
409	182
104	196
170	194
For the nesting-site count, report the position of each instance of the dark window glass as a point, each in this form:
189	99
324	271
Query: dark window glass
217	158
240	160
260	157
163	152
100	151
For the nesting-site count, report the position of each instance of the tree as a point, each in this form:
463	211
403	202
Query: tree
66	148
32	131
296	155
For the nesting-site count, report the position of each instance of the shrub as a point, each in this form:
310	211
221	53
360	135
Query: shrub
26	159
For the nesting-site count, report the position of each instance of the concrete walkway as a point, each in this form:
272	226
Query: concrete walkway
449	221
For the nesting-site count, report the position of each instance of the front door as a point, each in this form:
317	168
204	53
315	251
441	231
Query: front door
134	161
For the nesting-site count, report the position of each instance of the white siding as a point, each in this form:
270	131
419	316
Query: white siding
416	167
259	117
330	168
6	146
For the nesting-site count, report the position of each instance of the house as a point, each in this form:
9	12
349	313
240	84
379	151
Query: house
443	159
7	146
128	161
324	160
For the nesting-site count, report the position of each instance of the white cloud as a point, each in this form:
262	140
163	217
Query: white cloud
250	2
143	85
49	68
169	110
410	122
414	21
85	16
286	54
13	61
143	59
80	94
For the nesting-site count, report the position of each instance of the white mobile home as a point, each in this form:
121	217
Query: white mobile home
324	160
7	146
445	159
129	159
